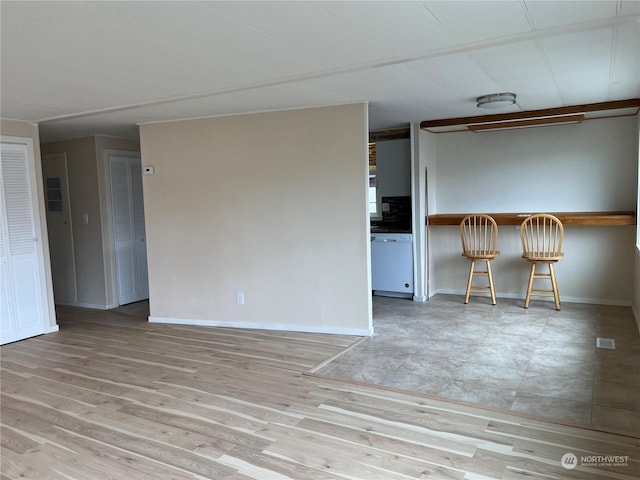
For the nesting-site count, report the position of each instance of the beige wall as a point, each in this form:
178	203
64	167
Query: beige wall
16	128
273	205
113	143
87	190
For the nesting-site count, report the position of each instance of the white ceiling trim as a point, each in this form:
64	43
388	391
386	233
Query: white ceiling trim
287	109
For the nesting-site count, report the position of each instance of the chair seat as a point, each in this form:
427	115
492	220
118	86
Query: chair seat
541	257
481	256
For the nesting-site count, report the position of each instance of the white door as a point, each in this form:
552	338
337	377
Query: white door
128	228
59	226
22	300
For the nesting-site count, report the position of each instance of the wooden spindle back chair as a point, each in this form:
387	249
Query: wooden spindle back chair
479	236
542	235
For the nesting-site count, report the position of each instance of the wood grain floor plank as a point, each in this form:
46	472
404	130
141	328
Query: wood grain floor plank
215	433
184	399
245	458
391	430
32	466
113	461
160	451
371	454
14	441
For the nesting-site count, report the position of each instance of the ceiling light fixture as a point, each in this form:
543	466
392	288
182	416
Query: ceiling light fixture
496	100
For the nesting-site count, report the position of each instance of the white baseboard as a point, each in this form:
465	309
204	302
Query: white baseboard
52	329
360	332
563	298
419	298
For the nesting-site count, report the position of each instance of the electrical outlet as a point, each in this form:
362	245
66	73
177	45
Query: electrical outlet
240	298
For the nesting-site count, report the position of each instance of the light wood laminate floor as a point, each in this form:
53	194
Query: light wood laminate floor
111	396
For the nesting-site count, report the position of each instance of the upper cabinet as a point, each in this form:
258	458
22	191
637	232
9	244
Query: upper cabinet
393	167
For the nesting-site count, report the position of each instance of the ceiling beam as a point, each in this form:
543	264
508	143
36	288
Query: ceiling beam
527	122
530	114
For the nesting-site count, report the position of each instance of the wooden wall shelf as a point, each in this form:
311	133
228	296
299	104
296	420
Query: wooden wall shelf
567	218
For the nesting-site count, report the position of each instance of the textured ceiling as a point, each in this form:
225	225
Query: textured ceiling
81	68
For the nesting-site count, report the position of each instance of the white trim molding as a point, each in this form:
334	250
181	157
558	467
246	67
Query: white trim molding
360	332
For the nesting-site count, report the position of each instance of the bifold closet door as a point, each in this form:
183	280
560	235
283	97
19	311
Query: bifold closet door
128	229
22	285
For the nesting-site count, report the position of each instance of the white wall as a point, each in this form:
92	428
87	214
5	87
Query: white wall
598	266
418	214
586	167
274	205
428	166
423	197
636	297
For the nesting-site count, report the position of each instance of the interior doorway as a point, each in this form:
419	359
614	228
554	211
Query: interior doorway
130	247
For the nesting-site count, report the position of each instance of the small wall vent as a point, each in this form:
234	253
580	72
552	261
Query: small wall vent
609	343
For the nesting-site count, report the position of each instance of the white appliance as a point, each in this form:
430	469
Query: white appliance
392	264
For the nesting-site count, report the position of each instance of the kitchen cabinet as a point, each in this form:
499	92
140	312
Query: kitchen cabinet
393	167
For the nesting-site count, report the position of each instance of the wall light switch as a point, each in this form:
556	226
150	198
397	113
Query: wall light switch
148	170
85	218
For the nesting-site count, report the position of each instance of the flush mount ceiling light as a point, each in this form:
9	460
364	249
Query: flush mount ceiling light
496	100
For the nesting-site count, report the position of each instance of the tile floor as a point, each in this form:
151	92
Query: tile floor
537	361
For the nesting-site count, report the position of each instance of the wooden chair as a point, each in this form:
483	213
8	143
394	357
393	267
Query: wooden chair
541	236
479	235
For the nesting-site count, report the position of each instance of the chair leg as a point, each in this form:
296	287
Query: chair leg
469	281
554	286
491	288
530	286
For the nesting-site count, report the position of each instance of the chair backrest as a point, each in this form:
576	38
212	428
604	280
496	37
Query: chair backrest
542	235
479	234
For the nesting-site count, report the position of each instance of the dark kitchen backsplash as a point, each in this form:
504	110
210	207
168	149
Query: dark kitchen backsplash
399	214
